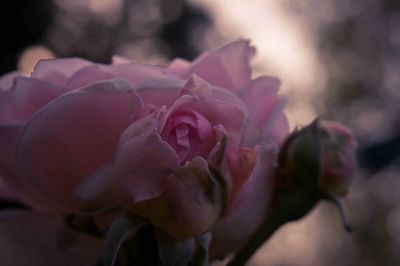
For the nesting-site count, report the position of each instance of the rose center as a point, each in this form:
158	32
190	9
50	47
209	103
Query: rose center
190	134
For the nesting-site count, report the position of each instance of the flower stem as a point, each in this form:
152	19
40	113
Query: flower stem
266	231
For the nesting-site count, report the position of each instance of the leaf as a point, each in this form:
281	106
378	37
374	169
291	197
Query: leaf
173	252
123	228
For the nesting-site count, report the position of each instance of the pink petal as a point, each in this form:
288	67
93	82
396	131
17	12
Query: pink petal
31	239
278	129
179	66
119	60
143	161
218	106
58	70
74	136
227	67
160	92
135	73
266	109
261	98
235	165
27	96
7	80
251	214
15	186
242	162
88	75
8	142
191	204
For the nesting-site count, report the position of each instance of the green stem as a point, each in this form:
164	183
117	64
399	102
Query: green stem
266	231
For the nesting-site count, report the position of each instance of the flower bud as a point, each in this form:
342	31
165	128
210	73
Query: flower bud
320	158
338	158
316	162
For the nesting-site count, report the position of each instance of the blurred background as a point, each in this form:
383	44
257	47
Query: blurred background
339	59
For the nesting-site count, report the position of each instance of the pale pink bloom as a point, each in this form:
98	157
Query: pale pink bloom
177	144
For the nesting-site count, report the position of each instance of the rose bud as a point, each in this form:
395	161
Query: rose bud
316	162
322	156
339	162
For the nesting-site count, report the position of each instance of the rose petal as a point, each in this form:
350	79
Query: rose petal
31	239
73	136
187	131
160	92
119	60
278	129
261	98
143	161
7	80
15	185
217	105
232	233
135	73
26	97
266	110
191	204
179	66
242	162
227	67
58	70
235	165
8	142
88	75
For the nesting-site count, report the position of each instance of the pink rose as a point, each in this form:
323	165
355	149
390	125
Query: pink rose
176	144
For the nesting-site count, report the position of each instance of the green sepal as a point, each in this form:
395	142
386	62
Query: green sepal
125	227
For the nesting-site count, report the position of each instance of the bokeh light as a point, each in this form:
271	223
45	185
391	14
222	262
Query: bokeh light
31	56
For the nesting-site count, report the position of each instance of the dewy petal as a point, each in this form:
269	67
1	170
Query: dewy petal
30	239
58	70
227	67
191	204
26	97
74	136
143	161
